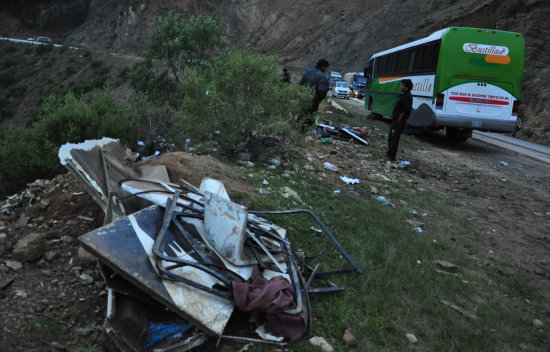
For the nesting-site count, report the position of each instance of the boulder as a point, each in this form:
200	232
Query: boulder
29	248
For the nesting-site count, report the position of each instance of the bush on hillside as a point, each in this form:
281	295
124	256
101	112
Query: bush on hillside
28	153
241	96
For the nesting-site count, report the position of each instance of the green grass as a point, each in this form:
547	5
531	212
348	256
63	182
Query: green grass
399	291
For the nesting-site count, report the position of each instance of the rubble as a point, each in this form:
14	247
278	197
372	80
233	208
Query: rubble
192	251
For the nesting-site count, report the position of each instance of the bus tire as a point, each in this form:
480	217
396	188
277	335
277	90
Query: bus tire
458	134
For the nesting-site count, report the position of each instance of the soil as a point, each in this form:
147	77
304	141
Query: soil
48	306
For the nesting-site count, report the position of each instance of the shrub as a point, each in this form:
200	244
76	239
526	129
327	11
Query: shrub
27	153
243	97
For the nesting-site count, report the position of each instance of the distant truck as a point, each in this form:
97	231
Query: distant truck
334	77
357	83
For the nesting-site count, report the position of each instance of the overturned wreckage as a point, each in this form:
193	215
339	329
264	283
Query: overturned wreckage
178	259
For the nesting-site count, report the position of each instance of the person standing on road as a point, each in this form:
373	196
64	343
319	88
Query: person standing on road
315	77
286	76
401	113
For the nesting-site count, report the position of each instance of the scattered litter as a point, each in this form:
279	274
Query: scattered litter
414	223
263	191
383	177
336	191
337	148
418	229
330	166
446	266
265	182
404	163
324	140
503	163
381	199
459	309
385	202
418	262
346	133
349	181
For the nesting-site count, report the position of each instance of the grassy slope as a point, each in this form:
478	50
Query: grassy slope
399	291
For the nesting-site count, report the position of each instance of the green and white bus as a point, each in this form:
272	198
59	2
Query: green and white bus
464	79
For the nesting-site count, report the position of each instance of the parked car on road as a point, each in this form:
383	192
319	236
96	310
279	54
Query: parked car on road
341	90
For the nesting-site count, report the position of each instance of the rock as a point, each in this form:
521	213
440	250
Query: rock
247	347
349	339
85	257
67	239
52	255
287	192
87	279
538	323
6	281
14	265
373	190
22	221
44	203
446	266
321	342
411	338
29	248
20	293
53	234
3	237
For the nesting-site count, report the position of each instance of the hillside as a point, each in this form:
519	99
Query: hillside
301	32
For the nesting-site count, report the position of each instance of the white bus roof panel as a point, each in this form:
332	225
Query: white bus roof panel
434	36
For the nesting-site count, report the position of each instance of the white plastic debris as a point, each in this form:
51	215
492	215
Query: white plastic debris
330	166
383	177
336	191
349	181
404	163
503	163
418	229
265	182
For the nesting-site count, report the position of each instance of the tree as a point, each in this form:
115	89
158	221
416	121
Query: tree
241	96
178	41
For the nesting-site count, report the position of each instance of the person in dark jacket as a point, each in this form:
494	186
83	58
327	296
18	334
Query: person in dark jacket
315	77
286	76
401	113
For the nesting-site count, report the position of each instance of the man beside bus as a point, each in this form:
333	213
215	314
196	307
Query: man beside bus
401	113
315	77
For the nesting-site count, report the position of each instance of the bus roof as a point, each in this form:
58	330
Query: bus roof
434	36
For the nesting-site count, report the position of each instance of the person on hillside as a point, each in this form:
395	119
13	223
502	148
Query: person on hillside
401	113
286	76
315	77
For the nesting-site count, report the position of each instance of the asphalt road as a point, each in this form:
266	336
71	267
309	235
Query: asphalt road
532	150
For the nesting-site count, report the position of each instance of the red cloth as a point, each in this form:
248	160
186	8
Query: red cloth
267	300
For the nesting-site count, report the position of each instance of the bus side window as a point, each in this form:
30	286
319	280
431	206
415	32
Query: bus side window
419	58
392	63
403	62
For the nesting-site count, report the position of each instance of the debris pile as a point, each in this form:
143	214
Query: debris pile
178	259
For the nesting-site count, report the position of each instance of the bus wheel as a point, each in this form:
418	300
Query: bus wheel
458	134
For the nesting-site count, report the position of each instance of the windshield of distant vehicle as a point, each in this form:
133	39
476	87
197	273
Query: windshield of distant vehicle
342	84
361	80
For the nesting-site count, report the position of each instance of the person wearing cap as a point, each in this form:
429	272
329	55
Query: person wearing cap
401	113
315	77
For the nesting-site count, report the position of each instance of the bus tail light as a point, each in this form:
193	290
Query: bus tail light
440	98
515	108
